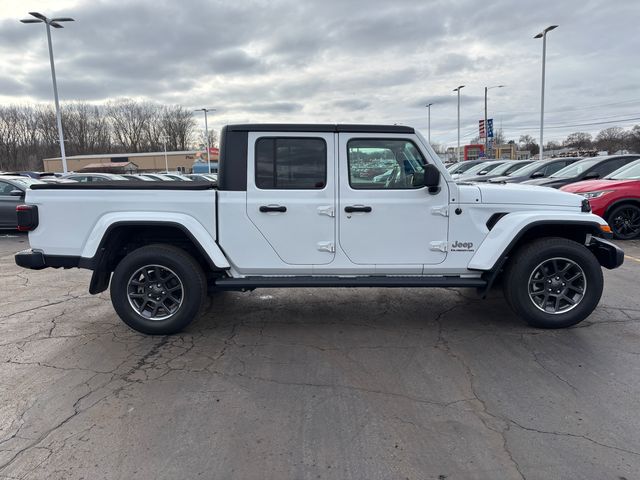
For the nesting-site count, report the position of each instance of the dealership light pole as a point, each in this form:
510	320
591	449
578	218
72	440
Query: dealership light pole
206	132
164	139
486	125
428	105
55	23
458	90
543	35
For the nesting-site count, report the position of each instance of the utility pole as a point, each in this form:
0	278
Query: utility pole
458	90
429	122
53	22
206	132
543	35
486	120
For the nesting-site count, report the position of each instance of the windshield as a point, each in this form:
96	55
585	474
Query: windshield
528	169
482	167
507	167
628	172
462	167
576	169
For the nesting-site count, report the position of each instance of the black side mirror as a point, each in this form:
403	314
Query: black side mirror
16	193
431	178
537	175
591	175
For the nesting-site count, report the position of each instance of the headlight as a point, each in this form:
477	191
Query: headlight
597	194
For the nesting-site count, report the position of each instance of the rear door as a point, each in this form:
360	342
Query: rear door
291	194
383	218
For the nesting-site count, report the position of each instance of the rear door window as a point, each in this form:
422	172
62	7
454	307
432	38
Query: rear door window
293	163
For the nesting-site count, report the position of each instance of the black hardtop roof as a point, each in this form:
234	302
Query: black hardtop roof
307	127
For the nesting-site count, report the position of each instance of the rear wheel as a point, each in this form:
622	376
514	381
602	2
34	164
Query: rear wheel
553	283
158	289
625	221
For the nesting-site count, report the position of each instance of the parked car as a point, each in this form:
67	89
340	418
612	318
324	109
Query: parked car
480	169
296	215
616	198
56	180
94	177
139	178
505	169
537	169
204	177
158	177
12	190
177	176
461	167
587	169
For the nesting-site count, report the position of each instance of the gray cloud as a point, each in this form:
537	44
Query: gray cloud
337	61
353	104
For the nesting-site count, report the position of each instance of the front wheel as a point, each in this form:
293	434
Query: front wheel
625	221
158	289
553	283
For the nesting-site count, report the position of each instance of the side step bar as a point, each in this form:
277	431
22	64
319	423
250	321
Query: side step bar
248	283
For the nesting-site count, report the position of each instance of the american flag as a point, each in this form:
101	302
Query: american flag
482	130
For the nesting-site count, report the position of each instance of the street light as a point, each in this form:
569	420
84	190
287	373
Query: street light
53	22
486	125
458	90
543	35
164	139
428	105
206	131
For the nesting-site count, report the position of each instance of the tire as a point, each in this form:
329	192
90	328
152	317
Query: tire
549	266
160	277
625	221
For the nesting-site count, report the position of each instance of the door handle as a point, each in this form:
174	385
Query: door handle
357	208
273	208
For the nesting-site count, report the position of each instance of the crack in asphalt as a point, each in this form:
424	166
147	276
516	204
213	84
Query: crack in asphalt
533	353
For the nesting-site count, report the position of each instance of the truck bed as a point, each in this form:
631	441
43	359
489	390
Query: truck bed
73	217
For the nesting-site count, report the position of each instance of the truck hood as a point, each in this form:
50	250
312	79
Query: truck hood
595	185
519	193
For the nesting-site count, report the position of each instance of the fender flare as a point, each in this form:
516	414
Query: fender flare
192	228
501	238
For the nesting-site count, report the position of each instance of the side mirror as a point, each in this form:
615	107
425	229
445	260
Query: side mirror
16	193
430	178
537	175
591	175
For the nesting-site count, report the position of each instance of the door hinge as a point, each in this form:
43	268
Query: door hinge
439	246
326	247
327	210
441	210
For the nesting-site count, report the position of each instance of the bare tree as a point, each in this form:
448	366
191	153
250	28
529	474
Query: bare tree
86	129
633	139
179	127
611	139
130	123
579	140
527	142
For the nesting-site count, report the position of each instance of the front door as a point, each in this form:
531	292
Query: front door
383	218
291	194
8	204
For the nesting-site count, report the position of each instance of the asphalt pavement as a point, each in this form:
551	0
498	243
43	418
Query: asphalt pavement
315	384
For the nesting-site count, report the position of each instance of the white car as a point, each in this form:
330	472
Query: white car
291	211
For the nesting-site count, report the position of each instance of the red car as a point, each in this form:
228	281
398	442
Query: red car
616	198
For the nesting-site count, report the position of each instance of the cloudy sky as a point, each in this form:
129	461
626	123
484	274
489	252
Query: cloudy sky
351	61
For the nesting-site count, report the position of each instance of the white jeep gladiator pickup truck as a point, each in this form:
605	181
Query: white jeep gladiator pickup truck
320	206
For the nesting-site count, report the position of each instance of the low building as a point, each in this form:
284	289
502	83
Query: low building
112	167
144	162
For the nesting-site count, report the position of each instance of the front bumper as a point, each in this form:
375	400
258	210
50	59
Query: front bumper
608	254
36	260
